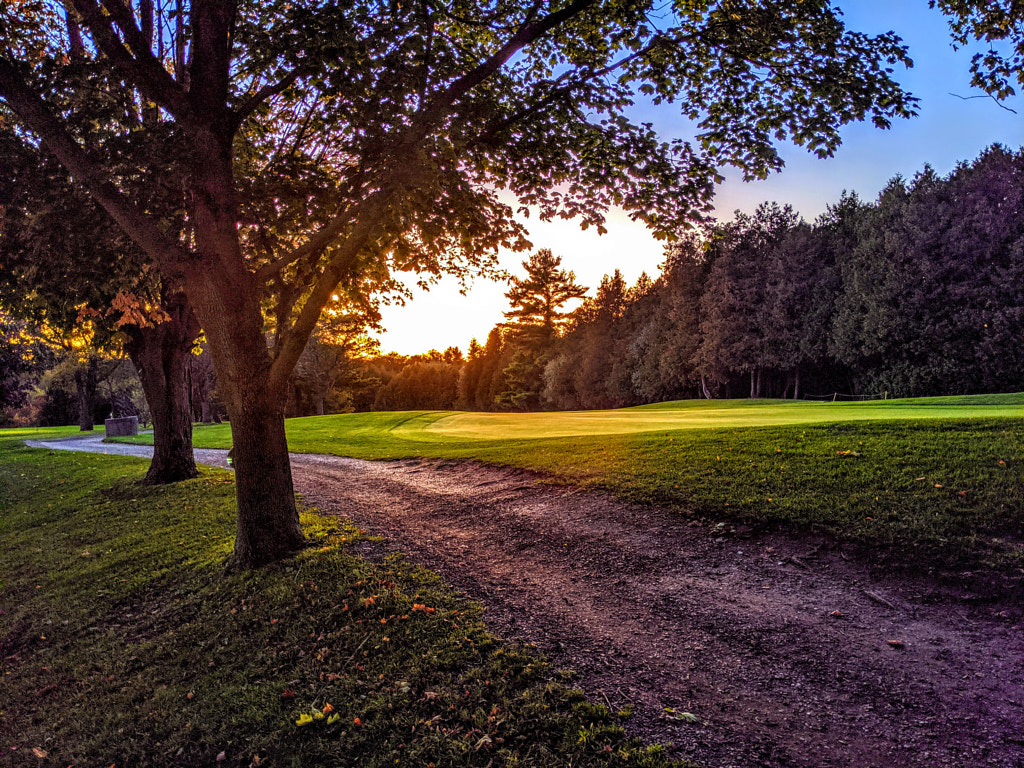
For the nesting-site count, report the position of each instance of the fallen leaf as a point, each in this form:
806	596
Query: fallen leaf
287	693
222	756
40	753
895	643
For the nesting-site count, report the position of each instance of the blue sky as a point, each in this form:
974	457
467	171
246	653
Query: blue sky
948	130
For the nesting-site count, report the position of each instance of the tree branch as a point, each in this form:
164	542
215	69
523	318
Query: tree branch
560	88
31	108
983	96
295	338
139	64
213	23
529	33
243	110
317	243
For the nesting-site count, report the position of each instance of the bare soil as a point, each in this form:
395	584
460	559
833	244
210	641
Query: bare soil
787	650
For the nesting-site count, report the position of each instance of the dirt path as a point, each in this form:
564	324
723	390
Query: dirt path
779	647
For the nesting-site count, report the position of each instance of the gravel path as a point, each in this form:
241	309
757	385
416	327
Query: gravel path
786	652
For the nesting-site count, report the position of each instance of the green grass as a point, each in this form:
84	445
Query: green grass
123	642
13	437
931	483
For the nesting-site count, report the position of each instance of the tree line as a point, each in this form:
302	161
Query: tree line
920	292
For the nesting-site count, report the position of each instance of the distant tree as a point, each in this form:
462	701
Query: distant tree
674	348
624	348
452	356
420	386
535	320
469	379
578	375
931	300
202	382
598	319
339	340
24	357
537	301
741	330
522	379
663	321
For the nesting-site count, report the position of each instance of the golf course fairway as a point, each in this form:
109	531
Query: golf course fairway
704	414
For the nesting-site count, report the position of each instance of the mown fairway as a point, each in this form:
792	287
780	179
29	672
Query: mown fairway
702	414
935	482
407	433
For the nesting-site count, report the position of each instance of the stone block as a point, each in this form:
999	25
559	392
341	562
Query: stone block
125	426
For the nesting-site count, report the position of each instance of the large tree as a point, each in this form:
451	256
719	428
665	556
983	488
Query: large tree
382	134
535	319
63	260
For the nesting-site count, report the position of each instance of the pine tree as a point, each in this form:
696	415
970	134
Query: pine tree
537	300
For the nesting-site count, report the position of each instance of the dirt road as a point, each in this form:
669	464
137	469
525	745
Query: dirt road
786	652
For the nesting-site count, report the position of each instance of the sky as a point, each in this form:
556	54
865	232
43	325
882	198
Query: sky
948	130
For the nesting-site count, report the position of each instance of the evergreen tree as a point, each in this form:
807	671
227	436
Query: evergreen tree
741	331
537	316
537	300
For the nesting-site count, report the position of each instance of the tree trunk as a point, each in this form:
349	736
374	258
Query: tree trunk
161	355
268	521
789	383
268	526
796	385
85	386
226	298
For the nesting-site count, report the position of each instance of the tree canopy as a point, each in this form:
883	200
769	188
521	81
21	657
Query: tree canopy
1000	23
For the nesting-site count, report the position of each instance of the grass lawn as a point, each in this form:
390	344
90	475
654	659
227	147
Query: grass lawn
933	482
122	642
